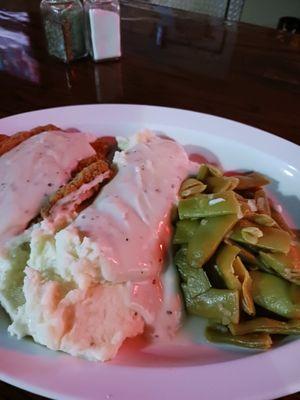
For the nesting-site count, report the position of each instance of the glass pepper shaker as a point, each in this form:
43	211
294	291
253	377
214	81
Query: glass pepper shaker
64	28
103	29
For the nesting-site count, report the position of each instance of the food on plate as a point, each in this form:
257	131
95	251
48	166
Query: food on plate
238	261
33	169
3	137
89	271
29	173
87	232
9	142
86	177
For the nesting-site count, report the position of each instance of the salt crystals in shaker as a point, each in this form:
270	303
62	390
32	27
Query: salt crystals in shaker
103	29
64	28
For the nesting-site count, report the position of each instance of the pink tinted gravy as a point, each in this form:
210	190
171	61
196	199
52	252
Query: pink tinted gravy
33	170
130	221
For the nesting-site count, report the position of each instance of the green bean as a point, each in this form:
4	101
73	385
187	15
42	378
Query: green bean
221	184
277	216
185	230
207	238
263	219
224	266
252	259
246	256
191	187
220	305
245	209
196	281
275	294
241	198
208	205
251	180
196	285
263	267
246	286
285	265
203	172
181	263
261	341
272	239
262	202
267	325
248	206
235	275
214	171
251	234
206	170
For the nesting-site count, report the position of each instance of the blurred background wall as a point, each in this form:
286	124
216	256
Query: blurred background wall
258	12
268	12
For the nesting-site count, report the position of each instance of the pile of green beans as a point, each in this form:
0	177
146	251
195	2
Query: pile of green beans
238	261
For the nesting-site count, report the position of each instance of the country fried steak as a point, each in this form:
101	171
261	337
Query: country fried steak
85	172
86	175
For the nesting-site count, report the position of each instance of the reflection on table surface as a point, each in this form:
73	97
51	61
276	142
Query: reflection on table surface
15	47
170	58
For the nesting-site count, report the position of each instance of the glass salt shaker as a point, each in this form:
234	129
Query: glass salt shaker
64	28
103	29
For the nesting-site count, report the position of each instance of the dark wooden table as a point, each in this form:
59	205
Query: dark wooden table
238	71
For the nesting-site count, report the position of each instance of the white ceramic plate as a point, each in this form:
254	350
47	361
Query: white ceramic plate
186	370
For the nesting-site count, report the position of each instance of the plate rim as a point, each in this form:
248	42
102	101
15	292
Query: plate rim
152	107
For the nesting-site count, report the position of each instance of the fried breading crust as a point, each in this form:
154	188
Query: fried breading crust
3	137
9	142
85	172
104	148
86	175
